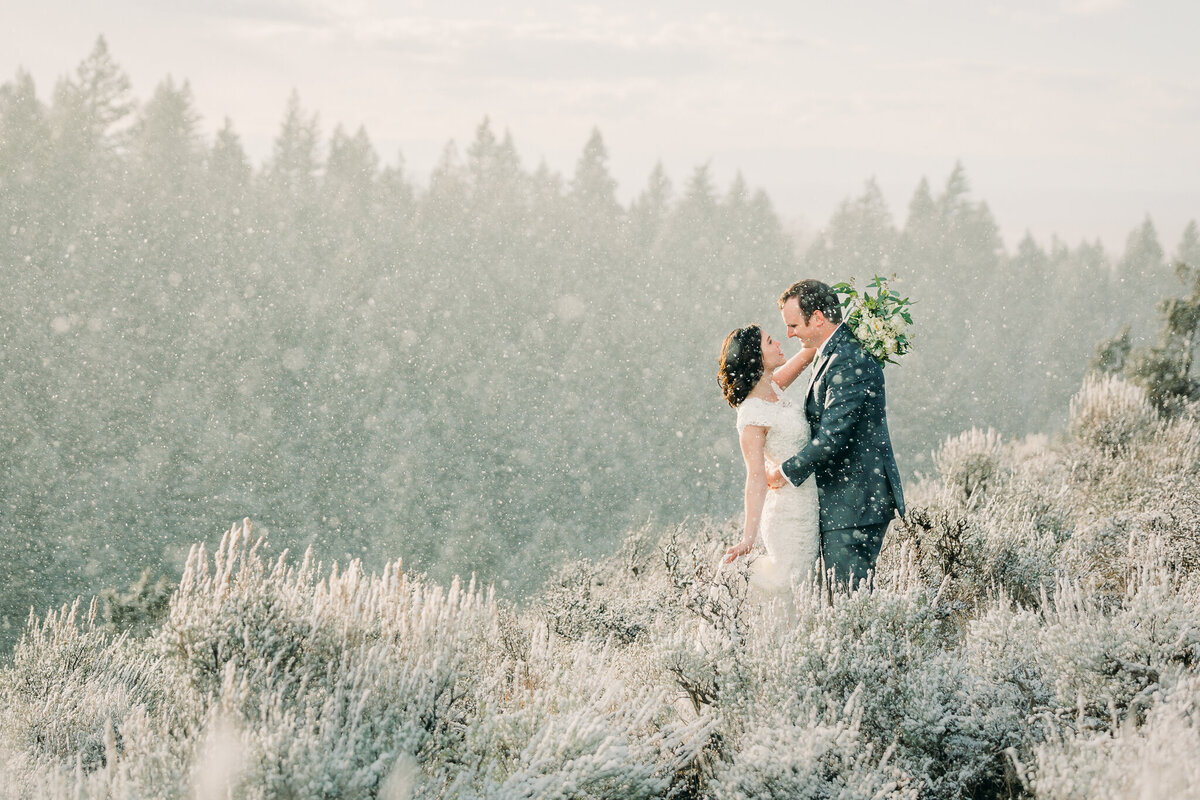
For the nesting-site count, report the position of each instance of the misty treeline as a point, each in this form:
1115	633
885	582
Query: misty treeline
481	373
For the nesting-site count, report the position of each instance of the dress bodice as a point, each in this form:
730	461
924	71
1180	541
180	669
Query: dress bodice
787	427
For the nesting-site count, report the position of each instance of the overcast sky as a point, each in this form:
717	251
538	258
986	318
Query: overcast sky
1075	117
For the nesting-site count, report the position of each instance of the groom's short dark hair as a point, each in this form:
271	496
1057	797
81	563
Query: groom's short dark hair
812	295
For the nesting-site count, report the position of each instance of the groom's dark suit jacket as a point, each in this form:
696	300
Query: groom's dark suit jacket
850	452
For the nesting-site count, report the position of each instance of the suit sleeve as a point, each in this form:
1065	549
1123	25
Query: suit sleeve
847	395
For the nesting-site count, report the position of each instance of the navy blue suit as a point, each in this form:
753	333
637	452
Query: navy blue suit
850	454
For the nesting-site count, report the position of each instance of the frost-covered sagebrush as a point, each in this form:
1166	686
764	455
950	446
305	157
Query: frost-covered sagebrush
1109	413
1033	632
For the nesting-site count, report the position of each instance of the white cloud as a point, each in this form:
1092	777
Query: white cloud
595	47
1091	7
1039	15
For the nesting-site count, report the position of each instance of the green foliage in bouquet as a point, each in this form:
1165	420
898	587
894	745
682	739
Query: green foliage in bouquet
879	321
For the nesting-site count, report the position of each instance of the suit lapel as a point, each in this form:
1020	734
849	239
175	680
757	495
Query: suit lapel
819	372
821	364
817	366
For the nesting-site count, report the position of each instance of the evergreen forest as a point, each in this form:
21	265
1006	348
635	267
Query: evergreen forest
490	372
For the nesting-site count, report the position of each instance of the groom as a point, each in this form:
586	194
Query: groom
850	452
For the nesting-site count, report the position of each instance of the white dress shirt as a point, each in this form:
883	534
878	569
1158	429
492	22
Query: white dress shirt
821	349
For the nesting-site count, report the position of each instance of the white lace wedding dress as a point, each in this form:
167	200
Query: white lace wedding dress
790	531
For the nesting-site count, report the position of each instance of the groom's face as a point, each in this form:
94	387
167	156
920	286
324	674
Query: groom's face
797	328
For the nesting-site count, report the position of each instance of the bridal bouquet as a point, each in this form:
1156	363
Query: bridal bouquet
879	321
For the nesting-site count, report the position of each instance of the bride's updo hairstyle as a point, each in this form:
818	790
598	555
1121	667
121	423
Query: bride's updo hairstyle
741	363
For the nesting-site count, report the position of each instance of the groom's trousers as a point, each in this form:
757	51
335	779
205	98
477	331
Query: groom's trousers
851	552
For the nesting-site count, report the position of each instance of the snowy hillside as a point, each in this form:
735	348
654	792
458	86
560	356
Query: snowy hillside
1035	633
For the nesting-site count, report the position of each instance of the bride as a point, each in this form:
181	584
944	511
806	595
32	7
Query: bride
753	374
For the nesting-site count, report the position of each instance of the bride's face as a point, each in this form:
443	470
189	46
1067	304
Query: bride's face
772	354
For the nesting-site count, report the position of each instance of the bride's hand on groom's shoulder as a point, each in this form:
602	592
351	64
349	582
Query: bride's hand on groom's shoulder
786	375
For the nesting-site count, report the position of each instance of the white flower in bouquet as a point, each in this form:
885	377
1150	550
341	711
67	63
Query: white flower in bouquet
879	321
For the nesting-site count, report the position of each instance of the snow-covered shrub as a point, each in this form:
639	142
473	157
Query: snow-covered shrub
1173	530
1177	445
970	556
1042	484
70	686
652	579
818	756
1023	632
578	730
938	543
84	715
994	521
1099	554
1016	549
577	605
143	761
1106	663
971	462
331	680
701	584
1109	413
896	650
1159	758
1141	508
1107	552
352	686
998	650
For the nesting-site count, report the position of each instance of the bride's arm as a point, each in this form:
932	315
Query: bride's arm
753	439
785	375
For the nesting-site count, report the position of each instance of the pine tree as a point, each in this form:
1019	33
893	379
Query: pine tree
397	210
1142	272
1024	279
95	103
649	211
860	240
920	241
757	255
593	189
952	247
229	169
497	193
448	191
294	161
349	181
229	209
597	219
1188	250
89	122
24	163
24	137
167	149
1164	369
547	205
